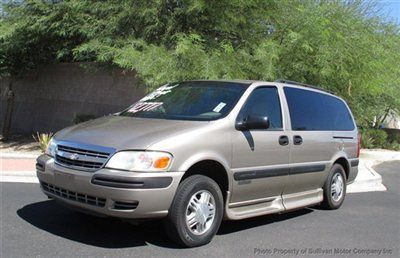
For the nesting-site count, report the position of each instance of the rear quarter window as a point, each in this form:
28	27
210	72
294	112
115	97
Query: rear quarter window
339	114
314	111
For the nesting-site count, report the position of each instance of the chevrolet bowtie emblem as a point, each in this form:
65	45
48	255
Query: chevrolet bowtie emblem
74	156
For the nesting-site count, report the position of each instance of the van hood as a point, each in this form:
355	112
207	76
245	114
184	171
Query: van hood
123	133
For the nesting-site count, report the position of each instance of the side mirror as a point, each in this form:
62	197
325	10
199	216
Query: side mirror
252	122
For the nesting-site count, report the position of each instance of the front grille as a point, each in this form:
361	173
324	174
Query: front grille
79	158
83	152
78	163
73	196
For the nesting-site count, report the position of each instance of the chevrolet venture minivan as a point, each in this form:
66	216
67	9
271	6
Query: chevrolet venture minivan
196	152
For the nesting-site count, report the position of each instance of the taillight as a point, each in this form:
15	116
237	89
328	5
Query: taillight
358	145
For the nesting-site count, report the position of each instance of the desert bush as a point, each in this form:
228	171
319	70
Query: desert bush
43	139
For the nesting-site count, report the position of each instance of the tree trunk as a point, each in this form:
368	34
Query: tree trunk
384	116
8	111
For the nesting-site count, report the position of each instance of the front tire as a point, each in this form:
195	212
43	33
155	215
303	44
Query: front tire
334	188
196	212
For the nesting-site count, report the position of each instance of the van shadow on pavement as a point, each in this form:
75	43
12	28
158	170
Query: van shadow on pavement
61	221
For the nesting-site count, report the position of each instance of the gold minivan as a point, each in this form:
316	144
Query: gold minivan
193	153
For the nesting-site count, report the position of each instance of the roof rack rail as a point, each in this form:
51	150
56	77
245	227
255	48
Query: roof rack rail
302	84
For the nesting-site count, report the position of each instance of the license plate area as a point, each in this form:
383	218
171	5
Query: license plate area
63	179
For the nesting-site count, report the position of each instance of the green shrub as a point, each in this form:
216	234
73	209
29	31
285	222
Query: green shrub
373	138
43	139
393	135
393	146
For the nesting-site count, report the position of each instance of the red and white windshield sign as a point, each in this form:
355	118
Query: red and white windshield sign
144	106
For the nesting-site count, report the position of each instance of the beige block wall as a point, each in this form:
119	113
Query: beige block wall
47	99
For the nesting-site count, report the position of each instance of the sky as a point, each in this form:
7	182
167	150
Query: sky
392	8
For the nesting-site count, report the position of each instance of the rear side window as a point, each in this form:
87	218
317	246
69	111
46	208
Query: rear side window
314	111
264	101
338	113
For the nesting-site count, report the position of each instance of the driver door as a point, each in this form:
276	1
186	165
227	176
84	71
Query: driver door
260	161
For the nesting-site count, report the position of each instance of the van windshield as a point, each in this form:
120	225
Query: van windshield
197	100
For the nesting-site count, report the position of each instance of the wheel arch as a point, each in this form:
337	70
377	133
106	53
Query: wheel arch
345	164
213	169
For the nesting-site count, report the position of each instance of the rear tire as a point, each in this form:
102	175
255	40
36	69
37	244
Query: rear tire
196	212
334	188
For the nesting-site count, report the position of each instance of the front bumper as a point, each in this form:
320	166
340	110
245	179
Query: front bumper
129	195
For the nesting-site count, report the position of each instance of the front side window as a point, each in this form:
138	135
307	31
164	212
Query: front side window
196	100
264	101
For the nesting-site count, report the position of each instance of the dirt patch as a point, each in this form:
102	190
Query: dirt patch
20	143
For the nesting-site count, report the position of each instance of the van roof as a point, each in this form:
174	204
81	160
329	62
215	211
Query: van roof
303	84
280	81
245	82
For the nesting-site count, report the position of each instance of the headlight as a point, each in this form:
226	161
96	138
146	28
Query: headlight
51	148
140	161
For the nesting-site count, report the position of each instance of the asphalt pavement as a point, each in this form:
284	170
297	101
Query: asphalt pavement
367	225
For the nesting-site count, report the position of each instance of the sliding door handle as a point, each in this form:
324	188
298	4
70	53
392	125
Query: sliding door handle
297	140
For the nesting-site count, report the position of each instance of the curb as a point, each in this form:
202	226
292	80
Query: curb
18	155
368	180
